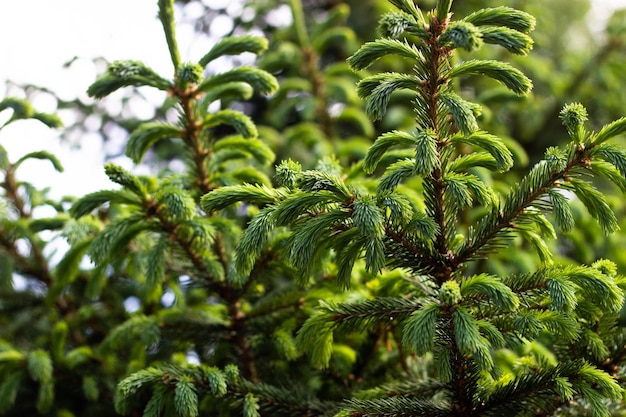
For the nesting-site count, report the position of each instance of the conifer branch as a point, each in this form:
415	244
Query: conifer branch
241	342
424	259
280	401
536	184
166	15
436	187
191	136
172	229
41	270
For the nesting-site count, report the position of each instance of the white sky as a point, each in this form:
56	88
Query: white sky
38	36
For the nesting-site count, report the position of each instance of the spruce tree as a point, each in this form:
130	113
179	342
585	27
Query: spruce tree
376	283
457	318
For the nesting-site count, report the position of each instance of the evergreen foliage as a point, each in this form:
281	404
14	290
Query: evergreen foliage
378	269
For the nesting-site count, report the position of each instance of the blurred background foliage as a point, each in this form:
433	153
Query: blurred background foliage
316	113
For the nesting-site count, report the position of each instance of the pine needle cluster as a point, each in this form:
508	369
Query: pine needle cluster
358	281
